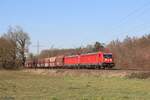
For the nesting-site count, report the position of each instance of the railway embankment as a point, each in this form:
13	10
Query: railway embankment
86	72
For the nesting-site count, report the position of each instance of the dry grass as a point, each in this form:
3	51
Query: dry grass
142	75
18	85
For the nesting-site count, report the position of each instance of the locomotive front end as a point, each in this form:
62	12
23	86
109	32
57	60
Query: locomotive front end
108	60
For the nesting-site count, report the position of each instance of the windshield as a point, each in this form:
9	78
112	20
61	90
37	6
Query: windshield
107	55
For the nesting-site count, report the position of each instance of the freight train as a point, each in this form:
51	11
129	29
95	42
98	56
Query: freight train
98	60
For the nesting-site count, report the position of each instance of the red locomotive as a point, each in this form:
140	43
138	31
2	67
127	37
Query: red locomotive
90	60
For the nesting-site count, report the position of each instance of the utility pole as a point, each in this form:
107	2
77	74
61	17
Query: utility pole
38	47
38	52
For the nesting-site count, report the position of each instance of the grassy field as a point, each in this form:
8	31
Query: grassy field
18	85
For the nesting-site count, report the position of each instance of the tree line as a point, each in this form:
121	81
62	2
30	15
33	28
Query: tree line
13	45
131	53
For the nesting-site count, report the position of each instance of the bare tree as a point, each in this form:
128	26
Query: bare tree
6	56
133	53
20	39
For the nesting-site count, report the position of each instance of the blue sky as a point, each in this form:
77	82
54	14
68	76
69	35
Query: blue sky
72	23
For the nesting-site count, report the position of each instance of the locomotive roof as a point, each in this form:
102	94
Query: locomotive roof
88	54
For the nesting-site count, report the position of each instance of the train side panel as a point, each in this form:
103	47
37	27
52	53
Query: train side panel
52	61
46	62
91	59
59	61
71	60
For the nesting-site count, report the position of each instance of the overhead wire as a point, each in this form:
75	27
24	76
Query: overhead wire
124	19
135	11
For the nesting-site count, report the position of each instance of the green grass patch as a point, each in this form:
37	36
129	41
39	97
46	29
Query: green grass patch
18	85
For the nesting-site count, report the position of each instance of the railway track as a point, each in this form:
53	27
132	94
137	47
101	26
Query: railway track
90	69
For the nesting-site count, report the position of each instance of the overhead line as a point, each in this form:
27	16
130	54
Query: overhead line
134	11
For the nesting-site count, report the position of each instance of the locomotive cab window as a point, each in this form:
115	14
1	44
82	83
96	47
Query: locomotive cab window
107	55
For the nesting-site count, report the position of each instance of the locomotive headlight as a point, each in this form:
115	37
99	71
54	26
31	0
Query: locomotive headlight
105	59
110	60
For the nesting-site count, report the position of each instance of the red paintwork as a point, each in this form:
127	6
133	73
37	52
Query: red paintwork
93	58
89	59
71	60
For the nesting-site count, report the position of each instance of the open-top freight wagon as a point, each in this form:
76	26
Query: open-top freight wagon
90	60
